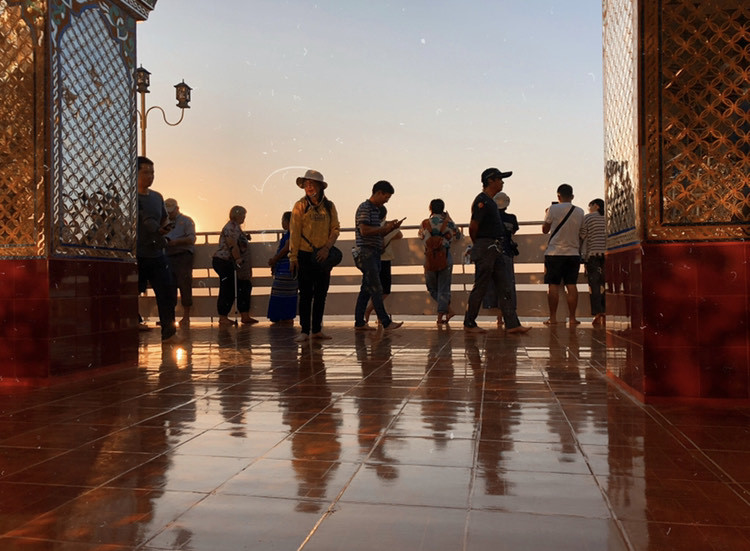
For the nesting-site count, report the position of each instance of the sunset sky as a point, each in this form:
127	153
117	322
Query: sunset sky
425	94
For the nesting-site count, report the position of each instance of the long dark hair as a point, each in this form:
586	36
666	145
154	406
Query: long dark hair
324	201
600	204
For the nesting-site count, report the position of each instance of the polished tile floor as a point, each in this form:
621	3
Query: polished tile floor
424	439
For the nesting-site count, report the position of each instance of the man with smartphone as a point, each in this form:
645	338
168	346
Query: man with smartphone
153	266
369	233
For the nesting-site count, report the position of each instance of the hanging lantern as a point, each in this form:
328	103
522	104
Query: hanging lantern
183	95
142	80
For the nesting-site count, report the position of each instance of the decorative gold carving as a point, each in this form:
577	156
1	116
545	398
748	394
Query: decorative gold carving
698	70
93	195
22	194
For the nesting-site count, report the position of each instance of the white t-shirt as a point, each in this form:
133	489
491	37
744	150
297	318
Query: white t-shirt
566	242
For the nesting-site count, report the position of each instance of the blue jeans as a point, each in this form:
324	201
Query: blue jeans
368	263
439	286
595	276
490	269
156	272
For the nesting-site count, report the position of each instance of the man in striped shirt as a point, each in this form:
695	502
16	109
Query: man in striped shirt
593	247
369	245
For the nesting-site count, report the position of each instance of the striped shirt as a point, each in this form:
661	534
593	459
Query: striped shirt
369	215
593	235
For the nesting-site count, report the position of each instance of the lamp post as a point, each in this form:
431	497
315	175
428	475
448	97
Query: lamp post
142	82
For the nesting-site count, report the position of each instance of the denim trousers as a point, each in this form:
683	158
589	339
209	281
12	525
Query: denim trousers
439	286
595	276
490	268
155	271
368	263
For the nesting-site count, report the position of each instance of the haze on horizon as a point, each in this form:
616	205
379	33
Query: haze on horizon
424	94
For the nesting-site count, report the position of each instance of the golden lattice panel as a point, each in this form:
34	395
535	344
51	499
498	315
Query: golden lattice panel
93	195
21	176
620	121
700	185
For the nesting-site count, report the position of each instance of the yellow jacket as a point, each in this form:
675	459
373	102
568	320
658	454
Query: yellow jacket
315	223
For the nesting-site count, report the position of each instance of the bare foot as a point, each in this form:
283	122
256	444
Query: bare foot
474	329
573	322
518	330
321	336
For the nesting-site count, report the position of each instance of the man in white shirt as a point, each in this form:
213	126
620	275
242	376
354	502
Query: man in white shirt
562	259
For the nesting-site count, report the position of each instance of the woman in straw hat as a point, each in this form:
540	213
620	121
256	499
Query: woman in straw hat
314	229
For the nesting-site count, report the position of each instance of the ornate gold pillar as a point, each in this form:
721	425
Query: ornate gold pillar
68	206
677	148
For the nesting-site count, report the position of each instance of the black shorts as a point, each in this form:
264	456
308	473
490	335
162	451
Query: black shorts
561	269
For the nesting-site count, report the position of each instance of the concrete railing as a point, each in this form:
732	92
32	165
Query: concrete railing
409	295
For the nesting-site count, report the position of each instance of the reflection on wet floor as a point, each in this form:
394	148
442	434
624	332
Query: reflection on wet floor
426	438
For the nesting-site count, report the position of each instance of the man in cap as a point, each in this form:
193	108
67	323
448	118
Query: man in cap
488	235
180	252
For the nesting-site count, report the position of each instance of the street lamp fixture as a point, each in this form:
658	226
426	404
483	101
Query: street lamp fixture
142	82
183	95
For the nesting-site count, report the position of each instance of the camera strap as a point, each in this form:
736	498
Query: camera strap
560	225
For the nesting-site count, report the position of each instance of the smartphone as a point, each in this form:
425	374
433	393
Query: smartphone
554	202
404	218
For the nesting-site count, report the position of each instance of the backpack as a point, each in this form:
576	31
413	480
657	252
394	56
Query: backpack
435	251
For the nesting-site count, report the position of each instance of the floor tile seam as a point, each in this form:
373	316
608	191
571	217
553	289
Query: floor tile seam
3	477
51	484
475	455
742	527
673	430
426	437
409	505
567	516
172	522
55	401
56	542
707	460
78	424
88	490
605	497
332	507
62	420
78	447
